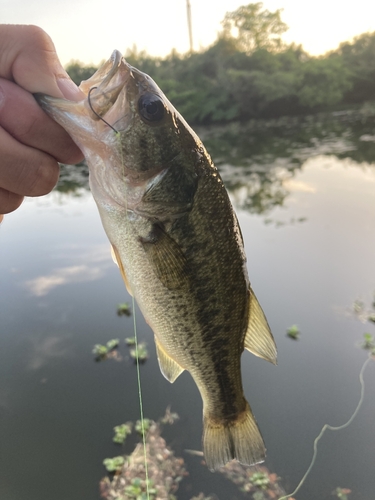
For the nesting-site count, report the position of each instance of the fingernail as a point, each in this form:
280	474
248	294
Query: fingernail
69	89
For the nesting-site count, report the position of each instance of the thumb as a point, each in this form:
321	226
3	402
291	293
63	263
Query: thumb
28	57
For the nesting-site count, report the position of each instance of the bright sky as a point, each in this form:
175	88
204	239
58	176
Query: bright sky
89	30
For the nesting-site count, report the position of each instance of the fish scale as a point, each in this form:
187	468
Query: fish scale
177	242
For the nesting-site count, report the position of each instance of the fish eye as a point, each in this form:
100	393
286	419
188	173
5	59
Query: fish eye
151	107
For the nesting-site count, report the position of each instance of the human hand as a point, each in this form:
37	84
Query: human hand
31	143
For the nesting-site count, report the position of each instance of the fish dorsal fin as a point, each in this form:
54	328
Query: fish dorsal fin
259	339
117	260
168	367
167	259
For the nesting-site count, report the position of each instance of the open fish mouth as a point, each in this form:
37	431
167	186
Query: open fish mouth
106	87
113	92
111	96
125	120
111	100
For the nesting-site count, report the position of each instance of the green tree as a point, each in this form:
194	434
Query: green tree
323	82
358	56
255	28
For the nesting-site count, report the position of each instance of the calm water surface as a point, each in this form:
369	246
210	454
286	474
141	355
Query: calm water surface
305	195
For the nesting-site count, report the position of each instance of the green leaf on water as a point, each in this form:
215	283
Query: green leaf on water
369	342
141	353
146	425
122	432
100	350
123	309
293	332
113	464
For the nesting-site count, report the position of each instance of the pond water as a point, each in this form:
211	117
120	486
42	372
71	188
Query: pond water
304	190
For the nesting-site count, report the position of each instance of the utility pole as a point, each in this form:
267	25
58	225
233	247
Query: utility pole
188	8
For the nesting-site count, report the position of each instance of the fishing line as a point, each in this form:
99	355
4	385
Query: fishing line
118	137
136	341
332	428
140	400
136	349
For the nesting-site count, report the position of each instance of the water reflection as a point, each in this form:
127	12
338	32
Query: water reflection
73	178
43	349
72	274
258	160
314	181
93	267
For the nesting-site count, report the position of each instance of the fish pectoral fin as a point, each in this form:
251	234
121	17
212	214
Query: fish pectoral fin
168	367
167	259
259	339
117	260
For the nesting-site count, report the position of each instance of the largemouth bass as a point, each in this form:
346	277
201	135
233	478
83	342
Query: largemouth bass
177	242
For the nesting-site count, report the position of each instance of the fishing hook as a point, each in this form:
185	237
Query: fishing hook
97	114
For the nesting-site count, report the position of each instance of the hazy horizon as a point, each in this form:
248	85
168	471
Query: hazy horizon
89	31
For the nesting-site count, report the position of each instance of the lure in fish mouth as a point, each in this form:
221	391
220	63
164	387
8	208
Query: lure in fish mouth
177	242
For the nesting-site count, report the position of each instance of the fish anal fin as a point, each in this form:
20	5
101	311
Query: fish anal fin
168	367
239	439
259	339
117	260
167	259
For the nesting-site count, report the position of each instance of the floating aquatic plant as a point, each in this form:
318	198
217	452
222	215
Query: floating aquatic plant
293	332
130	341
112	344
103	352
262	484
165	471
140	489
369	342
122	432
100	350
146	425
139	352
123	309
114	464
342	493
261	480
109	350
362	312
169	417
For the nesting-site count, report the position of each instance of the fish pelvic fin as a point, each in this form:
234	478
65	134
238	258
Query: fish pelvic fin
259	339
238	439
117	260
168	367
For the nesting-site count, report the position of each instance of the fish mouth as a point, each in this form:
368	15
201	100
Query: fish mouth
110	97
106	87
105	75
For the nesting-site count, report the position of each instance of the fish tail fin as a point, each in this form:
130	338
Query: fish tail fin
238	439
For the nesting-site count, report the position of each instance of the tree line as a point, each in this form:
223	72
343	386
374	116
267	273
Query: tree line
249	72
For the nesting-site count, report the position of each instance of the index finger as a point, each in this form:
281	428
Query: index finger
25	120
28	57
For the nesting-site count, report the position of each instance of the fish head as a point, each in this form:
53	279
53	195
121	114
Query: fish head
125	126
